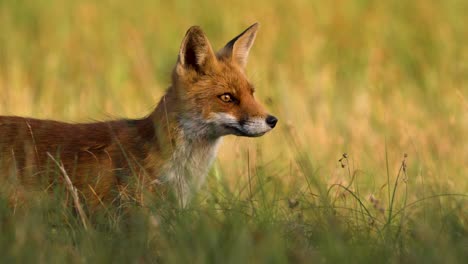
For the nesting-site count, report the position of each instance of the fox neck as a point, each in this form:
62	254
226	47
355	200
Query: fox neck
184	150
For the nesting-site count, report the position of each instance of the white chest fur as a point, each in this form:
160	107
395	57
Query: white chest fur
188	167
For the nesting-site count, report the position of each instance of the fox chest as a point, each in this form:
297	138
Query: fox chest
187	169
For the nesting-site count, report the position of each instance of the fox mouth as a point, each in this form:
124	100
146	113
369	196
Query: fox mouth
238	131
226	124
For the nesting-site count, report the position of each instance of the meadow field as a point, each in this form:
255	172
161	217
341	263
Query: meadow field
368	163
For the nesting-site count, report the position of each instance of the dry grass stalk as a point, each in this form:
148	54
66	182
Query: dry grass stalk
73	191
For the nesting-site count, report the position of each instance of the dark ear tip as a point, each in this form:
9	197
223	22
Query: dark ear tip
255	25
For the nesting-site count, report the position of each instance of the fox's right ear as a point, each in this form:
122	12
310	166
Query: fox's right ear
195	52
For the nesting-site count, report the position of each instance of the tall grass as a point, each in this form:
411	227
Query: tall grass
384	82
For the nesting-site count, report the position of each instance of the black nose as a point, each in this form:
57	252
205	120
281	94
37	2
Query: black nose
271	121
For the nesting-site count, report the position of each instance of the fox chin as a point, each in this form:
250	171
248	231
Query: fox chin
171	149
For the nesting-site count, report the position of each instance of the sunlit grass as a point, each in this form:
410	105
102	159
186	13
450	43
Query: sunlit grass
377	80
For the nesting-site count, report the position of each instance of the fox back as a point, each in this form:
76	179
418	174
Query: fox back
171	149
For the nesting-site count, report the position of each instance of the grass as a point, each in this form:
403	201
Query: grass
383	81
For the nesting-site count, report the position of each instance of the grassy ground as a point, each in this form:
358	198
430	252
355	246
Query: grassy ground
384	81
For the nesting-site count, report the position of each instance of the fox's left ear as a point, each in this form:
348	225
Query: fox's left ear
238	48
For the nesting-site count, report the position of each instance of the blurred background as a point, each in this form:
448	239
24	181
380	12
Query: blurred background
373	79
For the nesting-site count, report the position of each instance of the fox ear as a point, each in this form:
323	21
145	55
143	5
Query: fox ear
238	48
195	52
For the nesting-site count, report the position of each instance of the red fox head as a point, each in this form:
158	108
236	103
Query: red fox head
215	97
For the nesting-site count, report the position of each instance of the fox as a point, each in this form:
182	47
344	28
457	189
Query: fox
169	150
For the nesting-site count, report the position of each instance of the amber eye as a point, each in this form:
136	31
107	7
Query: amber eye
227	98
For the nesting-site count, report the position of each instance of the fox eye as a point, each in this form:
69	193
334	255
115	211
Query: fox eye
227	98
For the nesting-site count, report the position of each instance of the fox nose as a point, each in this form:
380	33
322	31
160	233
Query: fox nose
271	121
